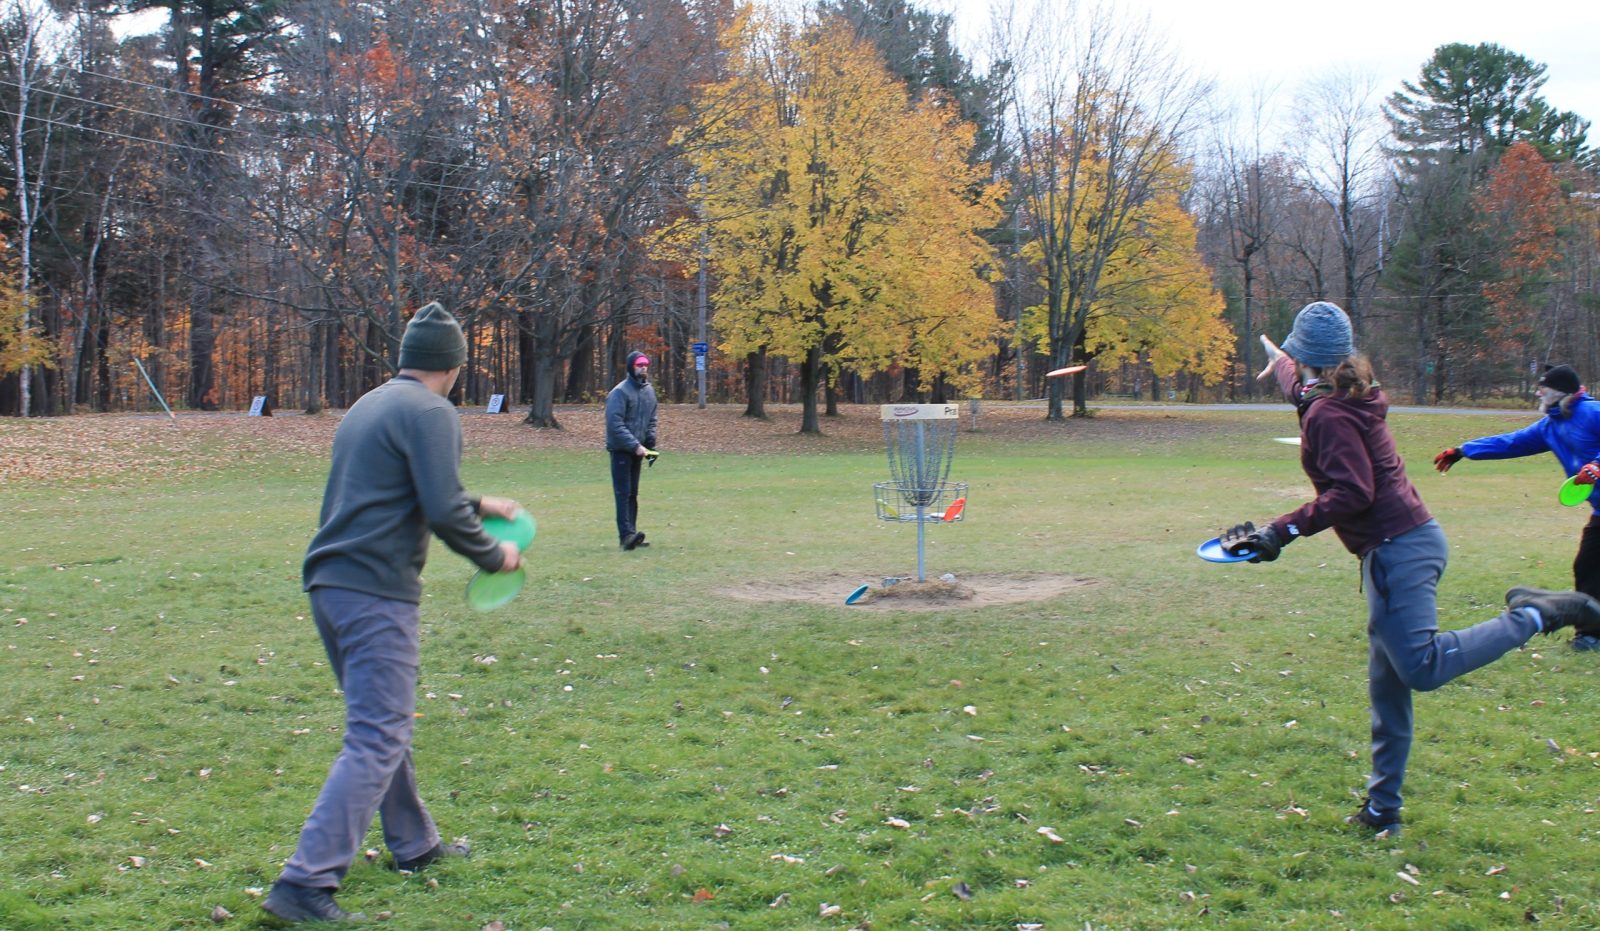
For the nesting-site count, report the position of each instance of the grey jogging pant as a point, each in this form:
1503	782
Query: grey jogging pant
372	644
1407	652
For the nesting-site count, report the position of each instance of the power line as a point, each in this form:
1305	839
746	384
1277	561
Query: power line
257	129
440	185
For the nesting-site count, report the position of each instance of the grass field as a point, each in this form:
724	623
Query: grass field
626	746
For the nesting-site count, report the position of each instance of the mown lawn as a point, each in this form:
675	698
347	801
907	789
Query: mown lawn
626	746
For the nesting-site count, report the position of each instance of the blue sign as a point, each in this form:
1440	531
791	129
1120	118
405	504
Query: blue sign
701	349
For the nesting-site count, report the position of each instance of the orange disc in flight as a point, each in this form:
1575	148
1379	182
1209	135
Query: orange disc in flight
1069	370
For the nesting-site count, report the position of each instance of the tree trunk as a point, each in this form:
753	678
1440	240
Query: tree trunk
755	384
541	412
581	367
810	375
313	368
202	348
1080	381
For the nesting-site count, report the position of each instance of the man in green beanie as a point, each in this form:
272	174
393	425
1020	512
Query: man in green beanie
394	482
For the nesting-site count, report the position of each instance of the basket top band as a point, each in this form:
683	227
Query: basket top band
918	412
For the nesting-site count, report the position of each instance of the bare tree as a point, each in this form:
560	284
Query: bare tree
1339	131
30	53
1244	202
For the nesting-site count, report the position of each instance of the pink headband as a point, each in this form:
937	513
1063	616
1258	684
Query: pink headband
642	360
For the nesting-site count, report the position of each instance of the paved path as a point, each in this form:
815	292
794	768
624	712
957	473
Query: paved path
1530	414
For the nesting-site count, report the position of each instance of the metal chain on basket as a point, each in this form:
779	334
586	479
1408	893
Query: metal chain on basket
920	453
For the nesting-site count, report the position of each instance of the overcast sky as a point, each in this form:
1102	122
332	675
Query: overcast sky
1249	44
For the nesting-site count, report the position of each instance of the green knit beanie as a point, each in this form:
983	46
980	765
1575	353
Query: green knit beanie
433	341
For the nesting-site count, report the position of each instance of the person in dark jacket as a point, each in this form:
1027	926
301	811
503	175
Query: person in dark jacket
393	481
1363	494
1569	429
630	438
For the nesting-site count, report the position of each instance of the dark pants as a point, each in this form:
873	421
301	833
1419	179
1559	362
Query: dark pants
1586	566
1407	652
625	486
372	644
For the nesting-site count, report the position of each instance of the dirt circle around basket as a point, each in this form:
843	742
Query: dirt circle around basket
908	594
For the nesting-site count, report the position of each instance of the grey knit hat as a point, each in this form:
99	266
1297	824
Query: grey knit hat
1321	336
433	341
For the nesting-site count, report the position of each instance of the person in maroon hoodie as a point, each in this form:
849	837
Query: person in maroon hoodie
1363	494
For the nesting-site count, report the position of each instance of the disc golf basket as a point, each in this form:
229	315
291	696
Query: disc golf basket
921	442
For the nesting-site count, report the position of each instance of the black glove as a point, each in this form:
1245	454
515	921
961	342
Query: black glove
1447	458
1263	543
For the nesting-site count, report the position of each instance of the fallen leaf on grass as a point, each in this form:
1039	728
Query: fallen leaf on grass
220	914
962	891
779	901
1495	871
494	926
828	911
702	895
900	823
721	830
787	858
1409	878
1050	835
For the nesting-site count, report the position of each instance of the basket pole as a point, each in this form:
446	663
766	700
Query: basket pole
922	530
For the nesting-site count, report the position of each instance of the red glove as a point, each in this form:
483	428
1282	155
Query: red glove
1588	475
1447	458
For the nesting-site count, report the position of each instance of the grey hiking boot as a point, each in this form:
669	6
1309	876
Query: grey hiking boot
1381	823
439	852
1558	609
293	904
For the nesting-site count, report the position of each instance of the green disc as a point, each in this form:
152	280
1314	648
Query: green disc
519	531
1572	493
489	590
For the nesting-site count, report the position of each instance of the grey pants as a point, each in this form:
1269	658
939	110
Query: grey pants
1407	652
372	644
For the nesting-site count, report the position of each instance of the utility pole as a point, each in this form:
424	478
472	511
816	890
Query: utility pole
700	337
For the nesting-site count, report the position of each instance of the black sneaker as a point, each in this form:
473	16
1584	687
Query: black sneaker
1558	609
1381	823
639	541
632	540
294	904
439	852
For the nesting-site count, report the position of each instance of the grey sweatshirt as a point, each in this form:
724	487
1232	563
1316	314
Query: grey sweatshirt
395	476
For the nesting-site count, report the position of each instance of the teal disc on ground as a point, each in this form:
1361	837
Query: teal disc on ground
519	531
489	590
1572	493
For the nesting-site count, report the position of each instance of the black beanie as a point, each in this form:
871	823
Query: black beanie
433	341
1563	378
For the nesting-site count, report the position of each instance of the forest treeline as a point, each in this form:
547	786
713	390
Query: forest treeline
838	201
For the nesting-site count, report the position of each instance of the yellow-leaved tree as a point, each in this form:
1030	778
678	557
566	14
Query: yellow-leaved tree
1151	291
1156	299
21	343
838	215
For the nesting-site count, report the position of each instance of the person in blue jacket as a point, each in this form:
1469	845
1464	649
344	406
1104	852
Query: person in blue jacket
1570	429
